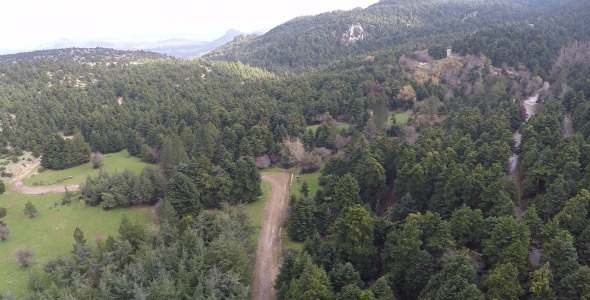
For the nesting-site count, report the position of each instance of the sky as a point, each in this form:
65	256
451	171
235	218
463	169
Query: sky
28	24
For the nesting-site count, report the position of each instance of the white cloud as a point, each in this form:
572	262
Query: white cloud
28	23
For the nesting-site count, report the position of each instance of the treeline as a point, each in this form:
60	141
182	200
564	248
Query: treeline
534	43
61	154
306	43
124	189
205	257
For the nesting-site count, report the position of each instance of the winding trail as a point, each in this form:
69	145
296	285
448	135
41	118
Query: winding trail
269	242
17	184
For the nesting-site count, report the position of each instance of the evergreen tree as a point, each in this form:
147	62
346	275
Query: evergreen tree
173	154
246	181
300	224
30	210
502	283
454	281
312	284
541	284
381	289
182	194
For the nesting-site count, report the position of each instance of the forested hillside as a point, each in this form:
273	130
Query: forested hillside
308	42
434	177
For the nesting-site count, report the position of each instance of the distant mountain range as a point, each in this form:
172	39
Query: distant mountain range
180	48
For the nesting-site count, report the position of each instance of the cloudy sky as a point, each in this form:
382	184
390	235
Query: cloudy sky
28	24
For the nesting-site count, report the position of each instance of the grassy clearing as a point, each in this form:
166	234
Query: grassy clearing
312	182
51	233
255	211
271	170
400	118
339	126
113	162
290	246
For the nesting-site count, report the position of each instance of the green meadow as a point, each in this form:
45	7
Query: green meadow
113	162
50	234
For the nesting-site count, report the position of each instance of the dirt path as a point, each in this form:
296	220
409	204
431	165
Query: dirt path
21	187
269	243
568	127
17	184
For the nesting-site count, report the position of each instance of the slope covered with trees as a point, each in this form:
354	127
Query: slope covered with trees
431	209
308	42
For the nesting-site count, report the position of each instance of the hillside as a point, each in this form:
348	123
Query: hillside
311	41
81	55
414	174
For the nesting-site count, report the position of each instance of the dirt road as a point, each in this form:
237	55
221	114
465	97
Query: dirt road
568	127
269	243
17	184
21	187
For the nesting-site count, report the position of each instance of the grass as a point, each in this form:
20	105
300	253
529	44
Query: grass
340	126
51	233
255	211
113	162
290	245
11	166
312	182
272	170
400	118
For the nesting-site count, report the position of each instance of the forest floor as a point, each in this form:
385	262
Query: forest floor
269	243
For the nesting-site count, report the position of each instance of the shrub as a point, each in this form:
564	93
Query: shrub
24	255
4	232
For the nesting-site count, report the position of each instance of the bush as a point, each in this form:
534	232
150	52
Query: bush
30	210
96	160
4	232
24	255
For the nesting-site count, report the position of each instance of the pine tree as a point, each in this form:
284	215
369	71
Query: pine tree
246	181
502	282
381	289
30	210
182	194
173	155
541	284
300	224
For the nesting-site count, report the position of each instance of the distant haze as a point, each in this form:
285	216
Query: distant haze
28	25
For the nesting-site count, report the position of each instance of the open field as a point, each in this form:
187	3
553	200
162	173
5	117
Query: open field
339	126
400	118
51	233
312	182
113	162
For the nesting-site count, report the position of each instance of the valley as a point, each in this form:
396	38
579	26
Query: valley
432	150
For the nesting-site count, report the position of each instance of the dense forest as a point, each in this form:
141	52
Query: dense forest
429	209
310	42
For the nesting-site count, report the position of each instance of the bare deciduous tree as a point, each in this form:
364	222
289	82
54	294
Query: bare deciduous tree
262	162
4	232
574	53
96	160
296	150
24	255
